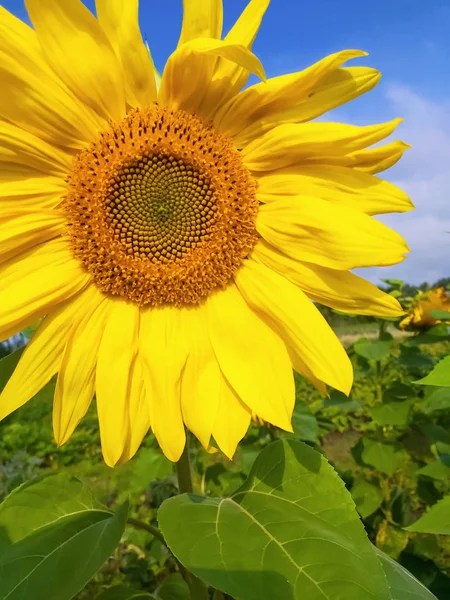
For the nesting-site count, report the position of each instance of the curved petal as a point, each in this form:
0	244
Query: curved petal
340	290
20	232
342	185
116	355
375	160
316	231
36	98
119	19
201	379
296	97
30	193
289	144
35	281
138	412
164	353
77	49
306	333
187	74
232	419
20	146
75	385
228	77
42	356
201	23
252	357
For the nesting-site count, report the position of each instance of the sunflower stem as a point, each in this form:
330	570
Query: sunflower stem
147	527
183	467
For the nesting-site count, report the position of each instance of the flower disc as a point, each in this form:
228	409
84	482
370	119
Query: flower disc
161	208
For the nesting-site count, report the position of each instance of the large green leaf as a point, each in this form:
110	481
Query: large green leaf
54	538
121	592
436	470
373	349
392	413
435	520
290	532
440	375
402	584
442	315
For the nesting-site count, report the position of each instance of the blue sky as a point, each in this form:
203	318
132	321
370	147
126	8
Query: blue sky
408	41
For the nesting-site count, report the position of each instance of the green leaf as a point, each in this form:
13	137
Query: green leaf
173	588
54	537
392	413
7	366
442	315
304	423
438	400
436	470
413	358
291	531
440	375
367	497
402	584
120	592
437	334
385	457
373	349
436	520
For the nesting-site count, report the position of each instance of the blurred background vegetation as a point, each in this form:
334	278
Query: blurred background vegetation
389	441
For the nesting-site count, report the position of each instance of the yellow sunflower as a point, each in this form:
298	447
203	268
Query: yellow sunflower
419	316
174	238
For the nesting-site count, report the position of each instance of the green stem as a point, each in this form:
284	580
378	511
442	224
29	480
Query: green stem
184	476
146	527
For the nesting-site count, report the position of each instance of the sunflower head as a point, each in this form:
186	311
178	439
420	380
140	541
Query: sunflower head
419	315
174	236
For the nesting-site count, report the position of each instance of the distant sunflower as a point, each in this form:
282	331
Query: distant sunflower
173	239
419	316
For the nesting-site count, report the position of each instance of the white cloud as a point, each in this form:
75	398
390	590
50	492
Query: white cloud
424	173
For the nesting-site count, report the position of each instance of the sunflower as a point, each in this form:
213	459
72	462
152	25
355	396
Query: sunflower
419	316
171	237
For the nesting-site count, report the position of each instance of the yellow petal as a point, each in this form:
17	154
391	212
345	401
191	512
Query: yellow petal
116	356
201	380
20	232
119	19
228	77
138	412
75	385
306	333
33	282
79	52
377	159
164	353
340	290
252	357
289	144
201	23
36	98
232	419
295	98
30	193
312	230
342	185
24	148
42	356
186	76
